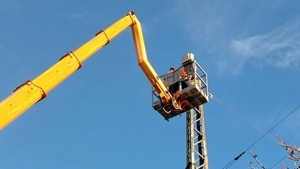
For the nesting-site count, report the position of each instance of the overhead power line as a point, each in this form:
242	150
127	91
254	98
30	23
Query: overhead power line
236	113
234	160
278	162
265	133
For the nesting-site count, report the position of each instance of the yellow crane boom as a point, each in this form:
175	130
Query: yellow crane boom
32	91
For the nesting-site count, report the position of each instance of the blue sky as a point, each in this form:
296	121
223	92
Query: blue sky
101	117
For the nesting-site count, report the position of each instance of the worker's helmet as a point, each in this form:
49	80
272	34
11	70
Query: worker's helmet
172	68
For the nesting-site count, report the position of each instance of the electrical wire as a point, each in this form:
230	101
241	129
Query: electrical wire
273	127
278	162
265	133
234	160
236	113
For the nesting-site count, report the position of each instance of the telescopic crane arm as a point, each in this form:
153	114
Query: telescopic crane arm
32	91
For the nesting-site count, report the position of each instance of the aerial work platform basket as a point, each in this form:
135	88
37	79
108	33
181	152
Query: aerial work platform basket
188	85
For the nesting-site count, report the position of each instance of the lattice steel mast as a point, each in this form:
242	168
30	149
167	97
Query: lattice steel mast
196	139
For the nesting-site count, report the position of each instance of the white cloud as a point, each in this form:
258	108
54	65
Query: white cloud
279	48
216	28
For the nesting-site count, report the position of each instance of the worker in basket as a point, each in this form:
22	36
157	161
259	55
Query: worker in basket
174	88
